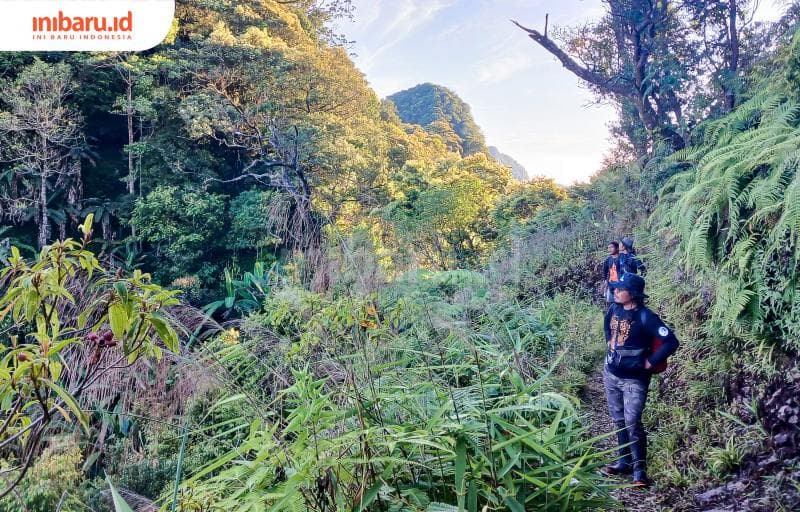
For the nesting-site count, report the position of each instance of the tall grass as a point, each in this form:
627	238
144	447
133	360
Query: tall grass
424	397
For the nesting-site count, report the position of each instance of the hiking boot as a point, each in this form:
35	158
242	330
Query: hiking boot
639	453
623	465
640	478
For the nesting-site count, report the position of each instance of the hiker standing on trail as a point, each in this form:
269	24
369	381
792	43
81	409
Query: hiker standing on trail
611	269
638	345
628	260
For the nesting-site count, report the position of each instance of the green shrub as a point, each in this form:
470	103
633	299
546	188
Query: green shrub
250	221
182	227
53	481
578	327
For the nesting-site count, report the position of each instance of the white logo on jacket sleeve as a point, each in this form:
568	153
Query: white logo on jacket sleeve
663	331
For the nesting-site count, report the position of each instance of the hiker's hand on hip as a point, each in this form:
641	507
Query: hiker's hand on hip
647	364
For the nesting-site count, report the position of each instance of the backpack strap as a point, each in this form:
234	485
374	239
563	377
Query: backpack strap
655	343
643	321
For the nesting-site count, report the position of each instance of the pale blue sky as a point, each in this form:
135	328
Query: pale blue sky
527	104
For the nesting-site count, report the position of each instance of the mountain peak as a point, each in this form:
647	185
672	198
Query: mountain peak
441	111
518	171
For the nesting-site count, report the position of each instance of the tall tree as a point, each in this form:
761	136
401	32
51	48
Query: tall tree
662	59
42	141
137	75
725	26
619	57
295	112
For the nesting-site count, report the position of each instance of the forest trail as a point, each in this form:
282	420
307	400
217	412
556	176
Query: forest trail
593	399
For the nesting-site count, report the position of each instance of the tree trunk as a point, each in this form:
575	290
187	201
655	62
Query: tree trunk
75	190
44	222
129	111
733	63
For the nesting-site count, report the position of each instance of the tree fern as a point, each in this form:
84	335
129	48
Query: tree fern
788	225
736	211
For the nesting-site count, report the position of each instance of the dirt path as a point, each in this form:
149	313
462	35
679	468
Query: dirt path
594	403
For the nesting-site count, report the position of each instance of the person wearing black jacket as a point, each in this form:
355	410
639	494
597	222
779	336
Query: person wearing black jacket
628	260
630	328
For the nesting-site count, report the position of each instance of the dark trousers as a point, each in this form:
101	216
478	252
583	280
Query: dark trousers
626	399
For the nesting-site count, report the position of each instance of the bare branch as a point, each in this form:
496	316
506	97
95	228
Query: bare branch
607	84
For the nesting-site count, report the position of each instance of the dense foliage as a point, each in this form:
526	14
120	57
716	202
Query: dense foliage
388	320
425	395
71	324
284	138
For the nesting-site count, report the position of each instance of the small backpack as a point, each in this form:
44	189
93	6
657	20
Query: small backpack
655	344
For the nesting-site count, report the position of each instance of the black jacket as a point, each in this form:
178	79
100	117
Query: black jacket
629	340
630	263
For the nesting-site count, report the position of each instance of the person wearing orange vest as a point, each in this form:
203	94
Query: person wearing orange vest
612	269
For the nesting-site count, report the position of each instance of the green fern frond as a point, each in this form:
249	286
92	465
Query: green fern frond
736	211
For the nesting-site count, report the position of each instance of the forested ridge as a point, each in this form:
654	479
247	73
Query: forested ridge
236	279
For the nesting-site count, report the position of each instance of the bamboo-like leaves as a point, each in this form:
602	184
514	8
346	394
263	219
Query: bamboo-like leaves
518	448
120	505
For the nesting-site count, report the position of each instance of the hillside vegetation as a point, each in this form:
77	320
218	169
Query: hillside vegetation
235	279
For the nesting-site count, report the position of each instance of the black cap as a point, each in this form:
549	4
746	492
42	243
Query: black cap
632	282
628	243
